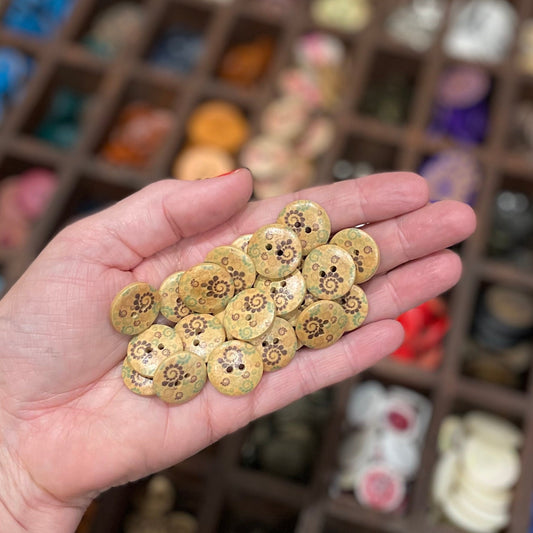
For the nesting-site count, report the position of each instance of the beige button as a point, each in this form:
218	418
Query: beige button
237	263
363	249
355	305
201	162
200	334
249	314
206	288
135	382
135	308
309	221
242	242
277	346
147	350
321	324
275	250
235	368
329	272
172	306
180	377
287	293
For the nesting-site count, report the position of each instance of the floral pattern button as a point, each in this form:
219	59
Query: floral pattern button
309	221
235	368
321	324
242	242
172	306
200	333
206	288
363	249
275	250
180	377
355	305
135	308
277	346
148	349
287	293
237	263
329	272
135	382
249	314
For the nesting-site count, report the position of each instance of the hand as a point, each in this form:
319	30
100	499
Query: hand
70	428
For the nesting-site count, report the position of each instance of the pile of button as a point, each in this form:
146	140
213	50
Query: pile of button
23	199
478	466
270	292
15	70
380	454
216	130
296	129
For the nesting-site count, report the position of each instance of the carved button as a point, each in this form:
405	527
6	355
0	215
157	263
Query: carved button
200	333
321	324
135	382
237	263
355	305
172	306
287	293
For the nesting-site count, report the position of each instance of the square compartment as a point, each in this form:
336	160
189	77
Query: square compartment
337	525
520	127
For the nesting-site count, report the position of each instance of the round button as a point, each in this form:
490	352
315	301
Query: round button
206	288
235	368
135	308
275	250
277	346
201	162
200	334
329	272
135	382
321	324
147	350
309	221
249	314
285	118
242	242
355	305
172	307
287	293
180	377
363	249
237	263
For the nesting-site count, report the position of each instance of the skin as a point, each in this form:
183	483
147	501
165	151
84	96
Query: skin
69	429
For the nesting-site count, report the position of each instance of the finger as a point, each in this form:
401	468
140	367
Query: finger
160	215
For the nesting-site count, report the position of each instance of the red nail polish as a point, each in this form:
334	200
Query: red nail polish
225	174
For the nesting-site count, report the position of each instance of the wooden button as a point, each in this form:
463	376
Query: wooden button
237	263
275	250
321	324
363	249
135	308
309	221
277	346
355	305
172	307
249	314
200	334
242	242
201	162
135	382
180	377
147	350
235	368
287	293
206	288
329	272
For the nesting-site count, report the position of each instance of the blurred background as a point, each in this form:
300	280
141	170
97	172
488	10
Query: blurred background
100	97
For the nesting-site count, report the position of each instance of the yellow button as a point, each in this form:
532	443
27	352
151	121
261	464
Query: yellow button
363	249
309	221
135	308
206	288
355	305
249	314
242	242
147	350
275	250
287	293
200	333
278	346
321	324
135	382
329	272
235	368
172	306
237	263
180	377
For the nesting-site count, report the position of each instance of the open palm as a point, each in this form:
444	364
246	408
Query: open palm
69	424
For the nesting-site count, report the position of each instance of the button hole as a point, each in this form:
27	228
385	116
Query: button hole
322	274
241	367
160	346
273	290
149	349
275	341
264	344
187	375
297	224
229	370
333	268
283	283
198	331
279	252
195	342
248	317
268	247
307	229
